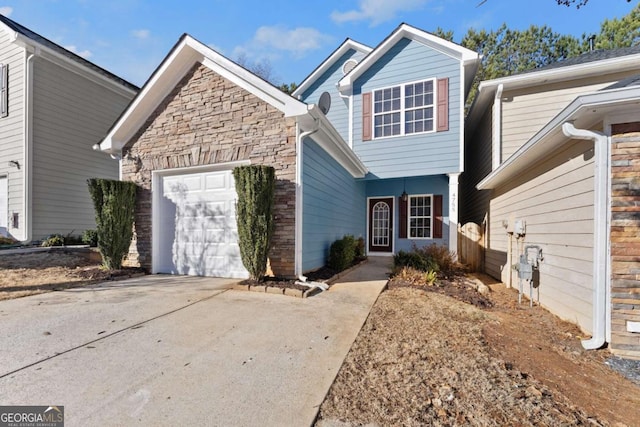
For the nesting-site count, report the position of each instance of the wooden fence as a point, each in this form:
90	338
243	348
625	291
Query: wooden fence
471	245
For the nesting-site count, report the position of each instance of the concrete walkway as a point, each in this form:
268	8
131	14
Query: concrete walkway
164	350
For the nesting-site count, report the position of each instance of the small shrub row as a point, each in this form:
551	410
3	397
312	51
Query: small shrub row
428	258
89	237
345	252
5	241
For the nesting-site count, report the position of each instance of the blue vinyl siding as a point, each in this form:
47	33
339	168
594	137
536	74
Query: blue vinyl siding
413	155
435	185
334	204
339	111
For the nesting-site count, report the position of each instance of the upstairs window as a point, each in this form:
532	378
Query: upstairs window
4	90
404	110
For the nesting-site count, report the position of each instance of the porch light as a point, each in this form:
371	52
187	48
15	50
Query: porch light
404	196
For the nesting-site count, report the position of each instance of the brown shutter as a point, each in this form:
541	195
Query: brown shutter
437	214
4	90
443	105
403	217
366	116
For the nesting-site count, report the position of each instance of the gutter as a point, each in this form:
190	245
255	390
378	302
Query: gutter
299	195
27	185
600	232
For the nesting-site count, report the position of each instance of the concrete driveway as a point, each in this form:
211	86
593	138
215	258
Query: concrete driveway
163	350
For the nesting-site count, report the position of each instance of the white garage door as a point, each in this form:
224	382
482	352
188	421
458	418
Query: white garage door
197	232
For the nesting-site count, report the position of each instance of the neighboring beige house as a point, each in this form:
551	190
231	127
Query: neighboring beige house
54	106
539	159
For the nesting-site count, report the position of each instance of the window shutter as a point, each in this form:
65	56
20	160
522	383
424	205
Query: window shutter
366	116
403	217
443	105
437	214
4	90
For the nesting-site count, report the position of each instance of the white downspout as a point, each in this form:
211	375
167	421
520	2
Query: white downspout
28	147
601	233
349	99
299	195
497	128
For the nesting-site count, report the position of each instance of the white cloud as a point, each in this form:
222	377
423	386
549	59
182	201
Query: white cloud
6	10
269	41
86	54
377	11
141	34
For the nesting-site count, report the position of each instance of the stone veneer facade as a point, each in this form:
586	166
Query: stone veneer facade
625	239
206	120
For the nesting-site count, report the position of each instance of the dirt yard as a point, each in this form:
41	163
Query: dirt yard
35	273
426	358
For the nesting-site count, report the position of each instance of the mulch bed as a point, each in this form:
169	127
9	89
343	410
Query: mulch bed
459	287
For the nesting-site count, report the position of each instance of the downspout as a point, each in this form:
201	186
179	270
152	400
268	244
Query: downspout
497	128
299	195
349	99
28	147
600	232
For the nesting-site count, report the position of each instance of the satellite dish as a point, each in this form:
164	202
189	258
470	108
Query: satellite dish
325	102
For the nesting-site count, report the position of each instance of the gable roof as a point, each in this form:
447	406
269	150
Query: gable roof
25	36
587	65
184	54
327	63
470	59
586	111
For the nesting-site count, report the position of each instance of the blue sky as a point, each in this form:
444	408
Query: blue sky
131	37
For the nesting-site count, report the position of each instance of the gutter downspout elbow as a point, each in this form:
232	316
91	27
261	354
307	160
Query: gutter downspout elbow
28	147
601	233
299	195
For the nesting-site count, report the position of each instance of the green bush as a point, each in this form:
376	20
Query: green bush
414	259
114	203
71	239
53	240
90	237
256	189
5	241
342	253
360	253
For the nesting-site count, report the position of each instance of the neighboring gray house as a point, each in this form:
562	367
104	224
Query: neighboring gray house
541	147
54	107
381	164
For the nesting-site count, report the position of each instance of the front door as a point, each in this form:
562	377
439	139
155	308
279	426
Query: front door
381	224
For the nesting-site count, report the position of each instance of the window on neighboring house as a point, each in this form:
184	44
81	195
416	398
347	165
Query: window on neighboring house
405	109
420	217
4	90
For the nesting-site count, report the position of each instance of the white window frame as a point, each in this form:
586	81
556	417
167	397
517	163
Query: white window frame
403	109
409	216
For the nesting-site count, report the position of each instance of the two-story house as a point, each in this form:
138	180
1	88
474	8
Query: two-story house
371	145
552	163
54	105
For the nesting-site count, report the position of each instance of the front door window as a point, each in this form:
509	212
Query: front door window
381	224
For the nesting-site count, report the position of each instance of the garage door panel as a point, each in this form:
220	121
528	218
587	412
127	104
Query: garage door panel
197	218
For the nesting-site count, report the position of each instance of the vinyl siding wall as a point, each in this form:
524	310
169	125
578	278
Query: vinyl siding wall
339	112
334	204
415	155
474	204
12	132
556	201
526	111
70	115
